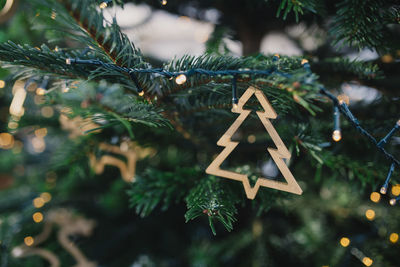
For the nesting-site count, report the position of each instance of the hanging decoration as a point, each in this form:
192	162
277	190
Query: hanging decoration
69	224
278	154
8	10
131	151
77	126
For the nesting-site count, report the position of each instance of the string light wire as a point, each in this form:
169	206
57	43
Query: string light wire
339	105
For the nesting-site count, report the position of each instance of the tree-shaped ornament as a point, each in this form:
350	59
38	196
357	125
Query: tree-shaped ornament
278	154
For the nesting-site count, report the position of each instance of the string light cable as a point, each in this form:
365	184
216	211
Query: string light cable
340	103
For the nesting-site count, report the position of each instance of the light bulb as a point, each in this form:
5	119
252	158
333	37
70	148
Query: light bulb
337	135
383	190
103	5
367	261
180	79
164	2
40	91
393	201
68	61
141	93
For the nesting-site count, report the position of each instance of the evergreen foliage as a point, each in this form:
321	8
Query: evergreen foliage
182	124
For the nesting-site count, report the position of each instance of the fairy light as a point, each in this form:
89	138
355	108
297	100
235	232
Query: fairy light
141	93
367	261
104	4
375	197
180	79
16	106
40	133
394	237
396	190
393	201
344	242
37	217
370	214
6	141
40	91
336	134
251	139
46	196
12	125
2	84
164	2
47	111
38	144
38	202
386	184
29	241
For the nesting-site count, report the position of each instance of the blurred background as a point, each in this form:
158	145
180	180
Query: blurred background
340	220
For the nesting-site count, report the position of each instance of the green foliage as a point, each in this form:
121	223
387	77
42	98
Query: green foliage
212	199
154	187
297	6
371	26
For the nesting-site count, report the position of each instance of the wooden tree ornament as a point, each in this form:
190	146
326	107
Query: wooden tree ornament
278	154
129	150
69	224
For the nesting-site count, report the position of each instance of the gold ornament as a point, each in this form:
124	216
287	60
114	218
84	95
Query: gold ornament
277	154
129	150
69	224
77	126
8	10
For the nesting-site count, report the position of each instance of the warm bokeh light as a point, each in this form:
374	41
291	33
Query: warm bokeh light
16	106
47	112
39	100
164	2
393	201
28	241
2	84
394	237
336	135
345	242
46	196
40	91
38	202
375	197
370	214
103	5
383	190
251	138
38	144
396	190
6	141
304	61
42	132
37	217
387	58
181	79
12	125
367	261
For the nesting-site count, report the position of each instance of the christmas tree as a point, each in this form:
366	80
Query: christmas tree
109	144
